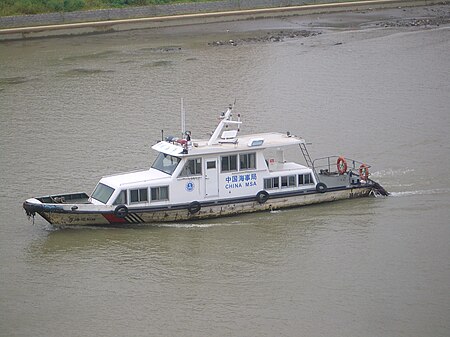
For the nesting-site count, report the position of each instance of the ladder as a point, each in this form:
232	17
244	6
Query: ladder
306	155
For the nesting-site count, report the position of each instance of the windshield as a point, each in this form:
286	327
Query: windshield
102	193
166	163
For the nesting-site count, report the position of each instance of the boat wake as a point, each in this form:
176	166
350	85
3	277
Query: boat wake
420	192
275	211
185	225
391	173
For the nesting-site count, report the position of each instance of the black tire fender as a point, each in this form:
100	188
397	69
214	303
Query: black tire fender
194	207
262	197
321	188
121	211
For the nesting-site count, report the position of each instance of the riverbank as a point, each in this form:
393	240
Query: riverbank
37	28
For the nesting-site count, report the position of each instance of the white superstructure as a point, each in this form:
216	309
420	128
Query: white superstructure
226	166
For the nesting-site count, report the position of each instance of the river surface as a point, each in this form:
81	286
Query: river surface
74	109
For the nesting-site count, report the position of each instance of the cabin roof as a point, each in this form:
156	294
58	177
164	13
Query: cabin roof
137	177
239	144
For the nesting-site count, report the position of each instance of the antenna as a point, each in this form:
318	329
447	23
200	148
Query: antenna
239	116
183	119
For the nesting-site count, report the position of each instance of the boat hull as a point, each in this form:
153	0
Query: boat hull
65	215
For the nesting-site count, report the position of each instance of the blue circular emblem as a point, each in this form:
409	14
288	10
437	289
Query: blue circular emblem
190	186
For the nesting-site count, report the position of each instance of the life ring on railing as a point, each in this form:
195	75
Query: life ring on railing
262	197
364	172
121	211
194	207
341	165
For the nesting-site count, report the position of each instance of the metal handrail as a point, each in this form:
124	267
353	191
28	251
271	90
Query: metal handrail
331	161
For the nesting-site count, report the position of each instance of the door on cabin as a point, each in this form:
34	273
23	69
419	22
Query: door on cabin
212	178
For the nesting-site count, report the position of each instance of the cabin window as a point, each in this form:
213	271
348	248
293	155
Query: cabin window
166	163
211	165
139	195
305	179
247	161
288	181
271	183
160	193
229	163
102	193
192	167
121	198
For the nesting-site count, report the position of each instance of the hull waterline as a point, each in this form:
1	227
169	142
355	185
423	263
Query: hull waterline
59	216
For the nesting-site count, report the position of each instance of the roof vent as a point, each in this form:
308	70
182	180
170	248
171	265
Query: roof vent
256	142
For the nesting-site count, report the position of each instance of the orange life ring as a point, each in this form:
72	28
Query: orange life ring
341	165
364	172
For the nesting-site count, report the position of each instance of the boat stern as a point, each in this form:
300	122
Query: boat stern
338	172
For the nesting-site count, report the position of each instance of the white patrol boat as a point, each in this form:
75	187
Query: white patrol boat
225	175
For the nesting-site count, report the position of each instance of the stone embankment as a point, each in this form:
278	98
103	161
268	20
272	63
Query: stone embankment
112	20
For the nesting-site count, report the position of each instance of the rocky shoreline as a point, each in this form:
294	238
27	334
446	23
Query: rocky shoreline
273	36
431	22
434	17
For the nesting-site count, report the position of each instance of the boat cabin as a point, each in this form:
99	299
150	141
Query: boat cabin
226	166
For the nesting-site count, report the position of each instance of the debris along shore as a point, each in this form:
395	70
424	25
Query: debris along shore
268	37
430	22
107	21
417	17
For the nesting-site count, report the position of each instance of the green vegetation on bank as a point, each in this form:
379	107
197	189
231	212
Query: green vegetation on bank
21	7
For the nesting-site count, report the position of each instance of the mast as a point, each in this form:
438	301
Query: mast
226	120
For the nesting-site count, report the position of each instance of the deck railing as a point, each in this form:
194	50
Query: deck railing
328	165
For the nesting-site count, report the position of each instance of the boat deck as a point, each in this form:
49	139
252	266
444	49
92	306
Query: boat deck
71	198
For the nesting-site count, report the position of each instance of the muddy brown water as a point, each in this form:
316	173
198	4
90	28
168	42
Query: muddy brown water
74	109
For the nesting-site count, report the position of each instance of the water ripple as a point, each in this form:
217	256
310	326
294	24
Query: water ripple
421	192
